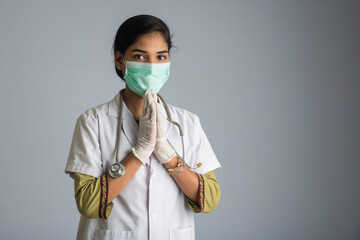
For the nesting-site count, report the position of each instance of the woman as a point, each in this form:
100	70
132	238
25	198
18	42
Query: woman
154	190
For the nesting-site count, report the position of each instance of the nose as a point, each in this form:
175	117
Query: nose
152	59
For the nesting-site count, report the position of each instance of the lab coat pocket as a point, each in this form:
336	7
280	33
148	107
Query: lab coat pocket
182	233
100	234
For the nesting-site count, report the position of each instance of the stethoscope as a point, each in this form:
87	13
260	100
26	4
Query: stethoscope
117	169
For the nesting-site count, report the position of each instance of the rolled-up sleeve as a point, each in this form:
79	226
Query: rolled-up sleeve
209	194
91	196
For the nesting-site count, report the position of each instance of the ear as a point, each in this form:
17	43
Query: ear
119	61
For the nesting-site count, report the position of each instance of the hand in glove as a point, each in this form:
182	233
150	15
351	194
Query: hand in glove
163	151
147	129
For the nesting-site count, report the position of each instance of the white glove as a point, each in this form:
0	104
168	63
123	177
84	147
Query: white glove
163	150
147	129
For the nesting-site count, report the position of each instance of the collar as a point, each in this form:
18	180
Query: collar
114	105
130	127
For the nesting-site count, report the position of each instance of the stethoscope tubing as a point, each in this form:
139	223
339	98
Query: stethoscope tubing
170	120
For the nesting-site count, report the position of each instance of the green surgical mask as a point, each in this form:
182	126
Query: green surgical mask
141	76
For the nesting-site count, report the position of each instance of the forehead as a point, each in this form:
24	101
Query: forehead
150	42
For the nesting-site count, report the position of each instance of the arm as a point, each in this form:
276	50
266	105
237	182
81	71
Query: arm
187	180
88	190
202	190
94	195
139	154
210	196
116	185
90	194
191	183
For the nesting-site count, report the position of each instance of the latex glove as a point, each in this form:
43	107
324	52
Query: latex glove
163	150
147	129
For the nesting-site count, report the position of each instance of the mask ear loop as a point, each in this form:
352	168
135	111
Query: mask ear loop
181	134
124	62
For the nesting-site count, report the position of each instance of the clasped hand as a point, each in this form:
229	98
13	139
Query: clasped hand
152	136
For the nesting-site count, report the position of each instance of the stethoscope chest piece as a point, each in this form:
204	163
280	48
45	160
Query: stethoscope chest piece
116	170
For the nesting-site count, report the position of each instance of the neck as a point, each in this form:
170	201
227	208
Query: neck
133	102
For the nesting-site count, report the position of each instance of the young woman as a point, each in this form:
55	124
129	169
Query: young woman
135	177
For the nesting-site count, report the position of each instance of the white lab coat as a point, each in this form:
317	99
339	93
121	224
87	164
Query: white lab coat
151	206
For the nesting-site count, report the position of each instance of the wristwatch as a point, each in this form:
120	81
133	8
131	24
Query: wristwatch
116	170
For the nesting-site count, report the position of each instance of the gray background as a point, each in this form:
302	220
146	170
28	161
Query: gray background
275	84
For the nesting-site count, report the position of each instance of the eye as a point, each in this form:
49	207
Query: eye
161	57
139	57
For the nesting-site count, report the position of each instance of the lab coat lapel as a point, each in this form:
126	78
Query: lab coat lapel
129	127
171	131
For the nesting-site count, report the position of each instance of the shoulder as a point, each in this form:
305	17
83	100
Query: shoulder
183	115
93	114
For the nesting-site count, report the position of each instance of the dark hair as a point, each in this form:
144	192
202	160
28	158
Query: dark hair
129	32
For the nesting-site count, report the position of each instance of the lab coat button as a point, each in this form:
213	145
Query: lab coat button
154	215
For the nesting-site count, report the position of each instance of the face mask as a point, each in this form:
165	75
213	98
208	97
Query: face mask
141	76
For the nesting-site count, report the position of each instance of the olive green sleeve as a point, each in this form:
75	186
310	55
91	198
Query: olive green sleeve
91	196
209	194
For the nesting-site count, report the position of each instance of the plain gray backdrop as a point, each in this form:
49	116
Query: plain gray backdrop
275	84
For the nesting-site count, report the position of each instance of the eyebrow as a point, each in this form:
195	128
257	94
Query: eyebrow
139	50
